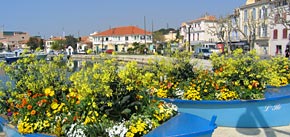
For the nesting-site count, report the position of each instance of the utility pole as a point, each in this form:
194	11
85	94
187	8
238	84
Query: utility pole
145	29
189	38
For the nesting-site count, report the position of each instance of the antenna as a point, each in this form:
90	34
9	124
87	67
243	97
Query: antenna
63	33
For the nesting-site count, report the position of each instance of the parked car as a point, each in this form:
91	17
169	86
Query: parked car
201	52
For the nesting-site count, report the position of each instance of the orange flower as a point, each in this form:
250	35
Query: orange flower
44	101
34	96
33	112
221	69
15	113
75	118
78	102
29	107
8	110
24	102
29	93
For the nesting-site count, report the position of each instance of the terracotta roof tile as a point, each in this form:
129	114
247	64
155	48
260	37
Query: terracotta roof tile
121	31
205	18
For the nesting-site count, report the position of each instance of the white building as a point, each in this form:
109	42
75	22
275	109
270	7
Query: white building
120	38
196	32
49	42
279	33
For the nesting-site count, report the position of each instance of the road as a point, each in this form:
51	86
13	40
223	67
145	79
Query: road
283	131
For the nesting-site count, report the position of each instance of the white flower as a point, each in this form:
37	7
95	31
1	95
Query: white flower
118	130
75	131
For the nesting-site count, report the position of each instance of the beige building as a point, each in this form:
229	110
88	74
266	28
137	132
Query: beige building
195	31
170	36
14	39
254	24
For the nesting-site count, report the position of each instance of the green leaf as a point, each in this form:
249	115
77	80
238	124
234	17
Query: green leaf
126	111
125	99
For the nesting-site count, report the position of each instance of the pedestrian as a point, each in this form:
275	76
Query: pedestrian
287	53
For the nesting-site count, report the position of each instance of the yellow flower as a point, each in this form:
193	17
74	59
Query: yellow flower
46	123
129	134
49	92
54	105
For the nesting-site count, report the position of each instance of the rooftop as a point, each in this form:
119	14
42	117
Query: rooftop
121	31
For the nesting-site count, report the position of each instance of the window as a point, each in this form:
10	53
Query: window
263	13
278	49
284	2
246	30
284	33
254	13
265	30
142	37
107	39
275	34
260	13
245	15
126	38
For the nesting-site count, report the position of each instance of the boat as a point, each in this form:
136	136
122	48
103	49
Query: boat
185	125
18	55
6	54
271	111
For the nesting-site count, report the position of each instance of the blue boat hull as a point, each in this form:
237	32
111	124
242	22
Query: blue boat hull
185	125
272	111
10	60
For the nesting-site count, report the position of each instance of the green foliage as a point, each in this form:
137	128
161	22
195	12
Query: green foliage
35	42
71	41
58	45
158	37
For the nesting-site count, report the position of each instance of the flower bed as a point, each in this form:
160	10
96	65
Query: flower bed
234	89
99	100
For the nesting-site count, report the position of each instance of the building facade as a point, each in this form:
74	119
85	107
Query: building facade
196	32
279	31
254	25
120	39
14	39
49	42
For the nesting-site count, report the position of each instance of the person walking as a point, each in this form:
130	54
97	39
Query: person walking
287	53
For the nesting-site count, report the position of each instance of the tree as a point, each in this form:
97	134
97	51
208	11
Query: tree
71	41
58	45
279	10
158	37
249	30
35	42
137	48
222	30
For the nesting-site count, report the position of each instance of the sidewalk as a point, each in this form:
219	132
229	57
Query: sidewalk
283	131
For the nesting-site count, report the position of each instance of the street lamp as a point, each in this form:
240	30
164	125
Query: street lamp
189	27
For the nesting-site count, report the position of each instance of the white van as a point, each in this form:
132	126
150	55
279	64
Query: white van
212	46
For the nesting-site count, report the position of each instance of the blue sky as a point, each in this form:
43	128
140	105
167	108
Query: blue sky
82	17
